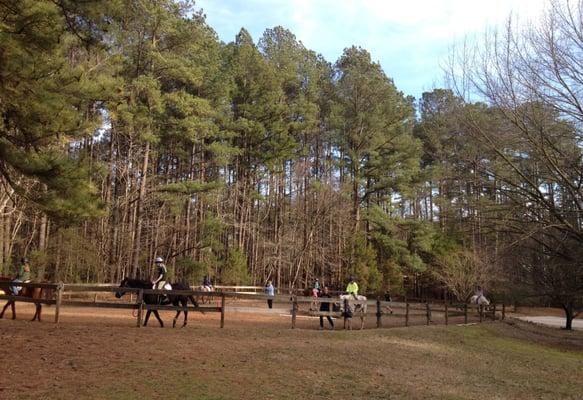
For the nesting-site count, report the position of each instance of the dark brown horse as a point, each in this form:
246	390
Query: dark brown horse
31	293
174	299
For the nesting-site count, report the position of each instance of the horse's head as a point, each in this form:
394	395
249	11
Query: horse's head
123	284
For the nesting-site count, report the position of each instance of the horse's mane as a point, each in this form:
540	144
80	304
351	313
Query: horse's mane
138	283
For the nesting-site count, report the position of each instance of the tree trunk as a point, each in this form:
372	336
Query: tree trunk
139	206
568	307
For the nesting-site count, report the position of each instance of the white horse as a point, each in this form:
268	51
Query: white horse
203	288
359	308
480	300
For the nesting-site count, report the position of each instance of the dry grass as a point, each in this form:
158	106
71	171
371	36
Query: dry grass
94	357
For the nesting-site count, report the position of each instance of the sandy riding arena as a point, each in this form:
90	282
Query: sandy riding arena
100	354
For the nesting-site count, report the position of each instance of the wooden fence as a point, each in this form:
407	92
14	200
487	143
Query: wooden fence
138	305
408	310
405	309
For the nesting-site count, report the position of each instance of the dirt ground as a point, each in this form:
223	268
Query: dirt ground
100	354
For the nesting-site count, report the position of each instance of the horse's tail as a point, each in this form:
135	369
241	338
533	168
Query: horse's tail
193	300
46	293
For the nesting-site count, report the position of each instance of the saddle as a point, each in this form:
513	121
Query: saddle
18	289
163	285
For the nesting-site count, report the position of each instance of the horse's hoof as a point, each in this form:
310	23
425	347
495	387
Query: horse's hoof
183	326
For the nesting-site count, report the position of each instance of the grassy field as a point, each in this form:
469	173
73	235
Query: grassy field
108	361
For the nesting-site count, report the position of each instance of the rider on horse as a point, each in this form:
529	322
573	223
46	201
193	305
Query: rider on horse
479	293
162	272
160	282
206	283
317	285
352	287
22	276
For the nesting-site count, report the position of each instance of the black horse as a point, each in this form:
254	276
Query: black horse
173	299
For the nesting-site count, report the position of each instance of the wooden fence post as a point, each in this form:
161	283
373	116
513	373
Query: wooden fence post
222	310
480	309
494	312
428	312
60	288
294	310
465	313
406	312
503	310
379	313
446	317
140	307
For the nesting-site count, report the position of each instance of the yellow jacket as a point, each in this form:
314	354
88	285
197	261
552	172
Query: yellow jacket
352	288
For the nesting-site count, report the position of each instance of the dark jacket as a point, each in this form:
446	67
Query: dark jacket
325	306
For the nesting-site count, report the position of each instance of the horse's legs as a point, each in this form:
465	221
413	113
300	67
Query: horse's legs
4	309
175	318
37	312
12	305
147	317
157	315
184	302
40	310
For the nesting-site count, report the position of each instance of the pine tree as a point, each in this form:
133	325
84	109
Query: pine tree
374	123
51	84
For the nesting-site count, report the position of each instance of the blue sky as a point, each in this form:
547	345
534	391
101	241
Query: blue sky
410	38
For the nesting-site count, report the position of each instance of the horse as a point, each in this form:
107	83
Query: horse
358	308
173	299
32	293
204	288
480	300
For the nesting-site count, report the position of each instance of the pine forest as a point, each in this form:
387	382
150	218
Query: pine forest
129	131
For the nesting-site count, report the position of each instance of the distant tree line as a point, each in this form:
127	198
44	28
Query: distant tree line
130	131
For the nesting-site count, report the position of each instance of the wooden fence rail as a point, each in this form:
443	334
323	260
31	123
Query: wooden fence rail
29	285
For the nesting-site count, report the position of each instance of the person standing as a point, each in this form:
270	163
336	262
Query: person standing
326	307
388	299
352	287
270	291
23	275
